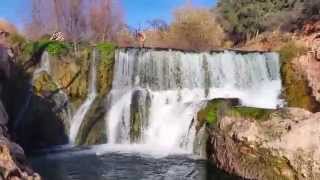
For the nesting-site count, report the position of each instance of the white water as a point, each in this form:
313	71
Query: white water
167	89
84	108
44	65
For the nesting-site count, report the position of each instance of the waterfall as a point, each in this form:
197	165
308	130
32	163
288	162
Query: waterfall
156	94
44	65
84	108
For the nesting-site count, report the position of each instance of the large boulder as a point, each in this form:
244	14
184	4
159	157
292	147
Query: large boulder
263	144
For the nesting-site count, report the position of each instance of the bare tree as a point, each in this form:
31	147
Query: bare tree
77	19
105	20
195	28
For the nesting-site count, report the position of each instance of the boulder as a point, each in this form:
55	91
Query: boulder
265	144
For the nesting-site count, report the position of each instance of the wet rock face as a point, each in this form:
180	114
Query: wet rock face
13	164
139	113
310	67
92	130
298	89
4	64
266	144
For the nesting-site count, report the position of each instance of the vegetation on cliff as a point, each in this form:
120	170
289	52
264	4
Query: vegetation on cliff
105	66
297	92
217	108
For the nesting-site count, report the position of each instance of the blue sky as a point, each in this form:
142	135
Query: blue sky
139	11
136	12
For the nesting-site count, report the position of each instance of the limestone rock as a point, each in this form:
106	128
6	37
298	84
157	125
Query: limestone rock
284	144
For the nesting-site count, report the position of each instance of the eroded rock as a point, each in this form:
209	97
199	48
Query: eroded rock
266	144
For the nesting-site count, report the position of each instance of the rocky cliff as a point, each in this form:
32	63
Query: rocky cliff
13	163
69	75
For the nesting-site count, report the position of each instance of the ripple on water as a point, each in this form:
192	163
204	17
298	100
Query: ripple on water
71	164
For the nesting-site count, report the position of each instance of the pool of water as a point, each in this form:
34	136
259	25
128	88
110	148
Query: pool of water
93	164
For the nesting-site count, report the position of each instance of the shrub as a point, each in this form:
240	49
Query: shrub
105	48
291	50
58	48
195	28
246	18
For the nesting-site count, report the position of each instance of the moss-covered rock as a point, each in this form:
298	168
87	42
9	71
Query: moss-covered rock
71	73
105	67
44	83
213	109
139	113
93	128
251	112
296	90
261	143
247	161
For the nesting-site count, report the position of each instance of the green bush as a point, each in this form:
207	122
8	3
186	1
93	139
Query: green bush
106	49
56	48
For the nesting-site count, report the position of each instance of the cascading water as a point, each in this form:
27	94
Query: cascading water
156	94
44	65
84	108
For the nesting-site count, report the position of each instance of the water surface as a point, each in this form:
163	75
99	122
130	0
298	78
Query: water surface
86	164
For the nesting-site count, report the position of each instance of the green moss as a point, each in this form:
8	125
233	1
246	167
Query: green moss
212	117
249	112
92	130
106	49
264	164
97	134
135	130
297	92
210	114
218	108
105	69
56	48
